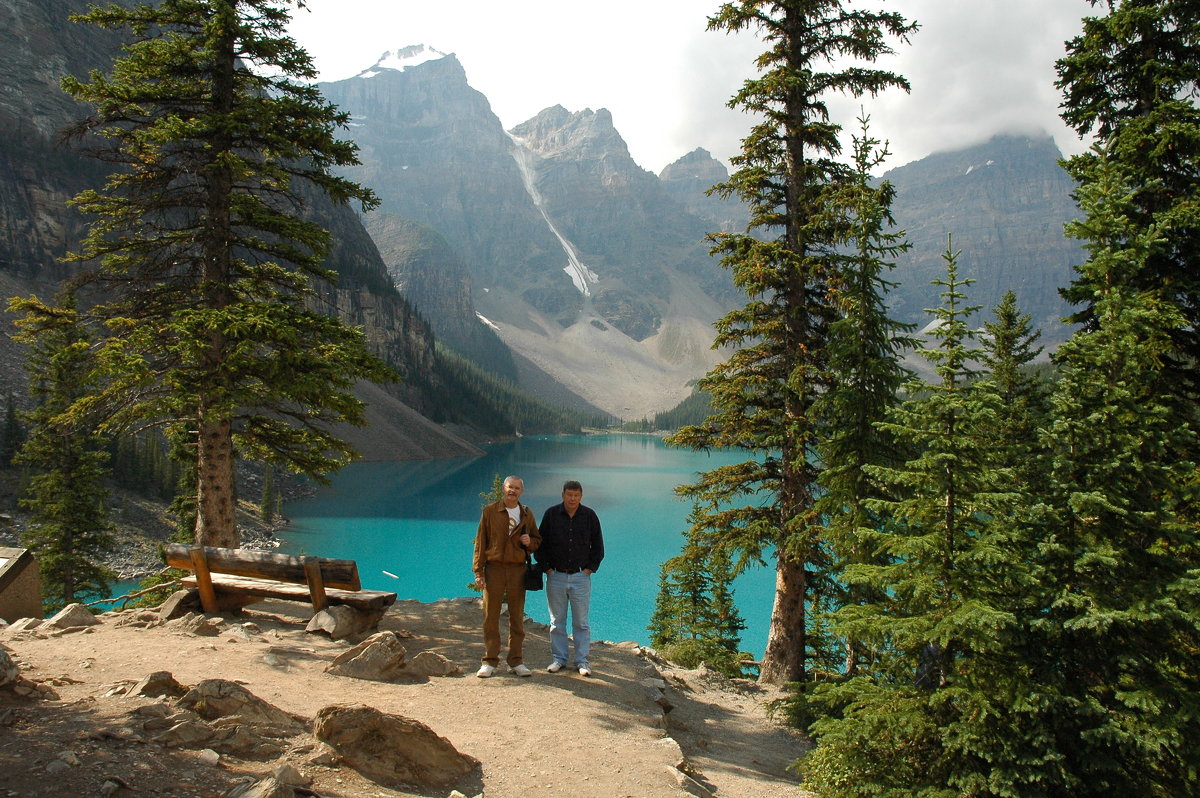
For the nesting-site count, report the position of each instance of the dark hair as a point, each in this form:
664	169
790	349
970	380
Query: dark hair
572	484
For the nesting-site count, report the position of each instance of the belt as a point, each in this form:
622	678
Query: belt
568	570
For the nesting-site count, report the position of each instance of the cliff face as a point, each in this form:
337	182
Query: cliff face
38	175
585	264
1004	202
688	181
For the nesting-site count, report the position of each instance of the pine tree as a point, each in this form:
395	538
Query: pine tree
695	618
204	265
12	435
1009	347
68	529
1129	81
763	395
932	717
865	373
1123	555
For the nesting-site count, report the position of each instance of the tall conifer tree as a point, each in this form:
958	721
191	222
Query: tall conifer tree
933	717
1123	557
865	372
204	262
763	395
69	532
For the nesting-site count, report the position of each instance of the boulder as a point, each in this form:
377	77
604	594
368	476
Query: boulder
338	622
178	604
196	624
157	685
72	616
430	663
9	672
24	624
390	749
217	698
187	734
379	658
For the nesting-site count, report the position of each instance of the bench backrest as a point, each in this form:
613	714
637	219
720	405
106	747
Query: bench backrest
340	574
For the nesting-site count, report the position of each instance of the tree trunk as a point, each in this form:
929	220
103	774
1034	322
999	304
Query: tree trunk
783	660
216	522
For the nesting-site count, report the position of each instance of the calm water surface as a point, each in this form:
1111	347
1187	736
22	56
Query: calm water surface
417	520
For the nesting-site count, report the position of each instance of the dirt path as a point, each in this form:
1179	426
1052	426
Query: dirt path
548	735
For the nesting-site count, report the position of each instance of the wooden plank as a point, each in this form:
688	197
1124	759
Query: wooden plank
316	588
208	598
223	584
335	573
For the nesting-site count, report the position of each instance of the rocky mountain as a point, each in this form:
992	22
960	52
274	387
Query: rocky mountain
688	181
582	262
39	174
1004	202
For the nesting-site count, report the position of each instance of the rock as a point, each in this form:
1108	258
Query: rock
287	774
210	757
71	616
673	751
324	756
157	685
9	672
216	698
113	786
178	604
270	787
430	663
244	633
187	734
24	624
338	622
687	783
390	748
196	624
379	658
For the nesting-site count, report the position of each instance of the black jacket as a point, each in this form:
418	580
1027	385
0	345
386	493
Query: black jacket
568	543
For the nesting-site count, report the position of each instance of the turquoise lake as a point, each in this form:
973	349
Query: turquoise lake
417	520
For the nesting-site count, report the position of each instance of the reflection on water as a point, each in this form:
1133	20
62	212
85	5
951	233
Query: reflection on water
417	520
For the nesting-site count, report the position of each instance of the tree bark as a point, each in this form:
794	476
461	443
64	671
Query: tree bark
216	521
783	660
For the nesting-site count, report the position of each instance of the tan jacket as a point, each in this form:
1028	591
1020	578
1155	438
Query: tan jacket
493	543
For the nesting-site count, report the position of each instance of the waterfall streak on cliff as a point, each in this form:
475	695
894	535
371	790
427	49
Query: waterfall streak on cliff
580	274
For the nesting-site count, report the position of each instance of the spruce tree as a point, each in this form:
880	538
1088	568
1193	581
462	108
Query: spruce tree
933	717
763	395
1122	559
68	531
695	618
12	435
865	373
204	265
1130	81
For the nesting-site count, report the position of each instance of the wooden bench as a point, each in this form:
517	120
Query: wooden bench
228	579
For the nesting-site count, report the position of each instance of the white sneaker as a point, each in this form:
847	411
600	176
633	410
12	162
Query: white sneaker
584	671
554	667
485	671
522	670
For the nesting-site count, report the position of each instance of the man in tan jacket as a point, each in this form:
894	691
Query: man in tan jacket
507	530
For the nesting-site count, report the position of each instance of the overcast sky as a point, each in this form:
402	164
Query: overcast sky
977	67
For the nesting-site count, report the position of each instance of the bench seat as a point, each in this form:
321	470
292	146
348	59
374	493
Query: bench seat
227	584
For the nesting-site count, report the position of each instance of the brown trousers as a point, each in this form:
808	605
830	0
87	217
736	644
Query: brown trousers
499	579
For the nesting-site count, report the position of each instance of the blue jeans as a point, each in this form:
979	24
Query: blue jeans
574	590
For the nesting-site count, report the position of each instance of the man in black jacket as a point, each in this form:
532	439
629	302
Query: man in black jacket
571	551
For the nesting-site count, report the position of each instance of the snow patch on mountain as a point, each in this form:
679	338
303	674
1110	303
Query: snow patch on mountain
402	58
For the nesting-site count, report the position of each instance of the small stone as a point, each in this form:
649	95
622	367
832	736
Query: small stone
209	757
158	685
